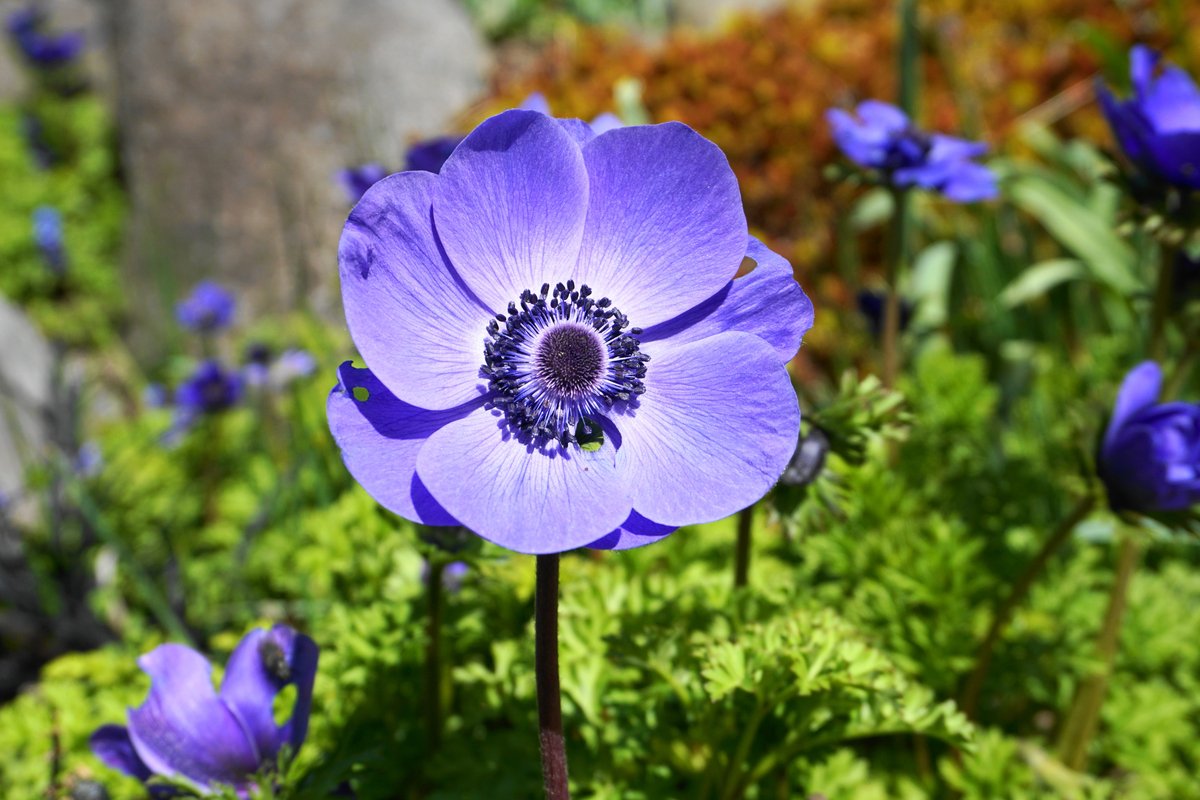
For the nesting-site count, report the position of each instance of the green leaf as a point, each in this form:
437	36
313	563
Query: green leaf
1039	279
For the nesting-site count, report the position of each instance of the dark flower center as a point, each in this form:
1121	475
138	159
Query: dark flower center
570	359
559	359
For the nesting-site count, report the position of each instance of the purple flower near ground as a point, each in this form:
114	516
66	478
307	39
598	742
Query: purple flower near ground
1150	456
187	731
879	136
210	390
209	308
1158	127
48	235
356	180
27	27
558	352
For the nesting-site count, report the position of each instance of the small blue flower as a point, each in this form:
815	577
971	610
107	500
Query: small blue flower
356	180
809	459
189	732
1158	127
155	395
293	365
89	460
430	154
27	27
209	308
882	137
1150	456
48	235
210	390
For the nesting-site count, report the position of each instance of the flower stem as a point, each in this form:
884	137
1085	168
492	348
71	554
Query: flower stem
549	699
1162	304
1081	721
433	652
969	698
897	253
741	557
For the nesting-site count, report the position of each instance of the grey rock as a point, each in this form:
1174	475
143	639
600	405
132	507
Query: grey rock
235	115
26	400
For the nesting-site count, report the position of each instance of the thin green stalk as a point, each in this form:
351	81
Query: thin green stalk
1161	312
910	43
1084	716
1017	594
894	266
433	652
741	555
549	695
1183	368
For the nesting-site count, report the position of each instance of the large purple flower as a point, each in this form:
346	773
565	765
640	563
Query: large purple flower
881	137
207	309
1158	127
1150	457
187	731
558	353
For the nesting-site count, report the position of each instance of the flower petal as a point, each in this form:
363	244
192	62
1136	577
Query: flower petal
510	206
261	665
715	429
183	730
767	303
665	226
635	531
1138	391
111	744
525	499
380	437
414	322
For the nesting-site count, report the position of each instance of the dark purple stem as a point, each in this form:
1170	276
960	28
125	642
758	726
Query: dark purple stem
549	699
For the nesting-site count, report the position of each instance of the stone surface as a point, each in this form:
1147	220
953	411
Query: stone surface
26	389
235	115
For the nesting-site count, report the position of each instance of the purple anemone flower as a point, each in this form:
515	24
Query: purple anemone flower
356	180
1158	127
209	308
558	353
430	154
27	27
881	137
210	390
1150	456
189	732
48	235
